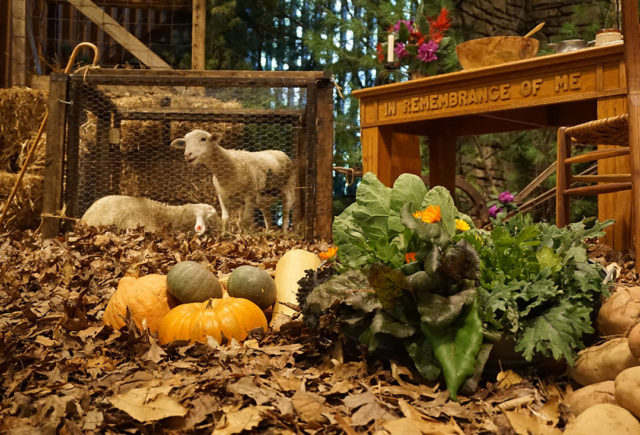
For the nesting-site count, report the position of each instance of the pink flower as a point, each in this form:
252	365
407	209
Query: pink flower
505	197
427	51
407	23
400	51
494	210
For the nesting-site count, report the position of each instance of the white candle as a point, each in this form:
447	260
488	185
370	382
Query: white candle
390	42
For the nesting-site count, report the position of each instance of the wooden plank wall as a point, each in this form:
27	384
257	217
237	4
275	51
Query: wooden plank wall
58	27
5	43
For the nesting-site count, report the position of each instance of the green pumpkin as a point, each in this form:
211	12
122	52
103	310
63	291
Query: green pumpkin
190	282
252	283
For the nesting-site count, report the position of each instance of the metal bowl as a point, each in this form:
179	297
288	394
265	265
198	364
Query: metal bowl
495	50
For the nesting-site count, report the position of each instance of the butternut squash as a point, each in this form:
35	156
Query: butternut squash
289	270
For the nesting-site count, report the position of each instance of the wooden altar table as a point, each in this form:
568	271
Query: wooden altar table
546	91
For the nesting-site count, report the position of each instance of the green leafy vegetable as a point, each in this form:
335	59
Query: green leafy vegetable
411	280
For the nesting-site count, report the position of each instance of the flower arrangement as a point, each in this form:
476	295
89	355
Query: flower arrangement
415	43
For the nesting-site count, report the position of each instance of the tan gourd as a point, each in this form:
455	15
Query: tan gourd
289	270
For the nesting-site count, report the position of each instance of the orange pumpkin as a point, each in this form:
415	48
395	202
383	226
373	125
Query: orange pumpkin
147	299
223	319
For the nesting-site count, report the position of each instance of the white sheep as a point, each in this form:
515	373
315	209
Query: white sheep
128	212
243	178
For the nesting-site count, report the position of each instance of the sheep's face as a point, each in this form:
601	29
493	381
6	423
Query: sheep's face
197	145
204	213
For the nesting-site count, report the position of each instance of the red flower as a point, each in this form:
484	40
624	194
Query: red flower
440	25
380	52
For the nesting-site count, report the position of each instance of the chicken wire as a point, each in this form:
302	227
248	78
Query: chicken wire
119	137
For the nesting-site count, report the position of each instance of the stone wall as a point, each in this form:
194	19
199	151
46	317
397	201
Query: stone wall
516	17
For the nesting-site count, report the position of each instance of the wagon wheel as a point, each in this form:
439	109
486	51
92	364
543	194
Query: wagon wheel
477	204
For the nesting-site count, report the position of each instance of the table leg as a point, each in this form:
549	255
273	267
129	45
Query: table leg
442	160
388	154
615	205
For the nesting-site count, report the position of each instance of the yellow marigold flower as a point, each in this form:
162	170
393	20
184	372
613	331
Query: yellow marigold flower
431	214
462	225
410	257
329	253
417	214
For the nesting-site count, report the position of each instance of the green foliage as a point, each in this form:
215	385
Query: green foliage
427	304
414	276
537	284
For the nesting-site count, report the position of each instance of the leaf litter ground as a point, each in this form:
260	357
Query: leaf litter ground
65	372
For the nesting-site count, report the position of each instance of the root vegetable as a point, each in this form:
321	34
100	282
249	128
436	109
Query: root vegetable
604	418
620	312
586	397
602	362
634	341
628	390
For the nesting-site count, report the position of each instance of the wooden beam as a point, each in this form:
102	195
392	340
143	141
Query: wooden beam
198	27
53	170
18	43
324	159
120	34
632	68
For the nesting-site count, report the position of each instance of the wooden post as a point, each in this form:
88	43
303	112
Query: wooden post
19	49
442	160
616	205
324	158
198	26
311	145
53	170
632	68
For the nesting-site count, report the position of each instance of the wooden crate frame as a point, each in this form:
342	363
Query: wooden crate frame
314	151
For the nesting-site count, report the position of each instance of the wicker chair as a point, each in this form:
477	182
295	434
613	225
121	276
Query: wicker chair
622	130
606	131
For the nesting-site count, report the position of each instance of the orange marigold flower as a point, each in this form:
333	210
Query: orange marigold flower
431	214
417	214
329	253
462	225
410	257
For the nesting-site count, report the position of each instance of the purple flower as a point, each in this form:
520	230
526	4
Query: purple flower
400	51
505	197
494	210
407	23
427	51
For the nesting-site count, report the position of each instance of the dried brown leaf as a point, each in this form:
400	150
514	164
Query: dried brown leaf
238	421
149	404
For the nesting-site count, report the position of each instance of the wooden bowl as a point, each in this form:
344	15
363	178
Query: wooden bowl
495	50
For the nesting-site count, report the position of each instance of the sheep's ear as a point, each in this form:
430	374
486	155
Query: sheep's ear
216	138
178	144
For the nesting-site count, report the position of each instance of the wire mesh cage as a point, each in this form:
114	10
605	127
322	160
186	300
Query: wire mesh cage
120	126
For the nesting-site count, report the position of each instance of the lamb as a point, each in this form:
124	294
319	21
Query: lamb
128	212
243	178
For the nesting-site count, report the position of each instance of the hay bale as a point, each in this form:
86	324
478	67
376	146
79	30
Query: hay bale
24	211
36	166
21	111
